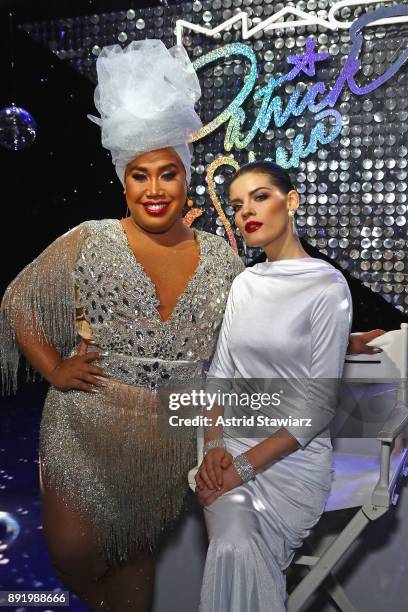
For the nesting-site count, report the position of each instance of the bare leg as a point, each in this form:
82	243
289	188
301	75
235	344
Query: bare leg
129	586
79	564
72	547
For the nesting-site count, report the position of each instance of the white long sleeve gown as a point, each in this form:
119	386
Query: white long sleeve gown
285	320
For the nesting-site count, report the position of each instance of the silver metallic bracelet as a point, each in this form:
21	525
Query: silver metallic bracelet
216	443
244	467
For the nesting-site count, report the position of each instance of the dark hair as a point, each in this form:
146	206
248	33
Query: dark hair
278	175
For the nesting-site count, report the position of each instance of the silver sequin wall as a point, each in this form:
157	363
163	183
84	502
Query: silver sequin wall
353	190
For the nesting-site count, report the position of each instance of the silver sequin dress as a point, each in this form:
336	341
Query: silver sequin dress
104	450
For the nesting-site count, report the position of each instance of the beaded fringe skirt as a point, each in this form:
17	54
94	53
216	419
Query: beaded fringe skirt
106	454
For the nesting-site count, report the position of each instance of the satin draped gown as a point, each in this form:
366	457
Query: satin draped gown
287	326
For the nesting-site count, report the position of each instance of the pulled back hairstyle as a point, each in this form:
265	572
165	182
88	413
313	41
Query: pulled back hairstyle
278	175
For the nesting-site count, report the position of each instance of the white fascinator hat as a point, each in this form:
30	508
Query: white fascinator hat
145	96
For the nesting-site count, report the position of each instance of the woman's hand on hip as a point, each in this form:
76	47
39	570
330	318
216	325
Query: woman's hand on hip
210	472
77	372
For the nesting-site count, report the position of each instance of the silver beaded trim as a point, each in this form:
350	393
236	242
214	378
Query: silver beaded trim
244	467
216	443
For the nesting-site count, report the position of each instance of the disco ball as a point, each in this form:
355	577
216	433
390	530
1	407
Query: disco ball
18	128
9	530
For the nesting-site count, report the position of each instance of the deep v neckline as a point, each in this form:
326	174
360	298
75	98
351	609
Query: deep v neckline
149	282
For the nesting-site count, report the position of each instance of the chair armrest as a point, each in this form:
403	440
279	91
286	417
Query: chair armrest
383	493
395	423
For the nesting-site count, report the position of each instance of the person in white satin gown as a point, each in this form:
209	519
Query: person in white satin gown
287	318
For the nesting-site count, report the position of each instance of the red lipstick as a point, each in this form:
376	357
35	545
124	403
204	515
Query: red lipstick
252	226
155	208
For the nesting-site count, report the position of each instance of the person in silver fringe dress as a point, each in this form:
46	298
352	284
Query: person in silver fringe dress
285	331
109	313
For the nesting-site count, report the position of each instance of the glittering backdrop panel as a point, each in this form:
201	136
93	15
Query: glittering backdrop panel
353	186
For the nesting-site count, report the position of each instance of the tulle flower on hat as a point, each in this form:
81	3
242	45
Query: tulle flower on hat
145	96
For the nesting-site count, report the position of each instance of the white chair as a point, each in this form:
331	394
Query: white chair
367	470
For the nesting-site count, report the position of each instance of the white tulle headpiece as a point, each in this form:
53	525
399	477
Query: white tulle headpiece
145	96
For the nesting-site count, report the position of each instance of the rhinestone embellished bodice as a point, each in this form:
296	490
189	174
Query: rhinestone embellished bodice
120	303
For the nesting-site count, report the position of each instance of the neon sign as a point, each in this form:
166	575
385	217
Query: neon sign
272	107
317	100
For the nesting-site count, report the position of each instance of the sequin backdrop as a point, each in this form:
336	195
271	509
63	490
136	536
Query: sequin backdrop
354	189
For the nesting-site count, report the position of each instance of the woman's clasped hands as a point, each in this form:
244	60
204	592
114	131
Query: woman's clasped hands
215	476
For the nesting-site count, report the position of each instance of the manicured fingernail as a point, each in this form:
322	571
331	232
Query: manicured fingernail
104	354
